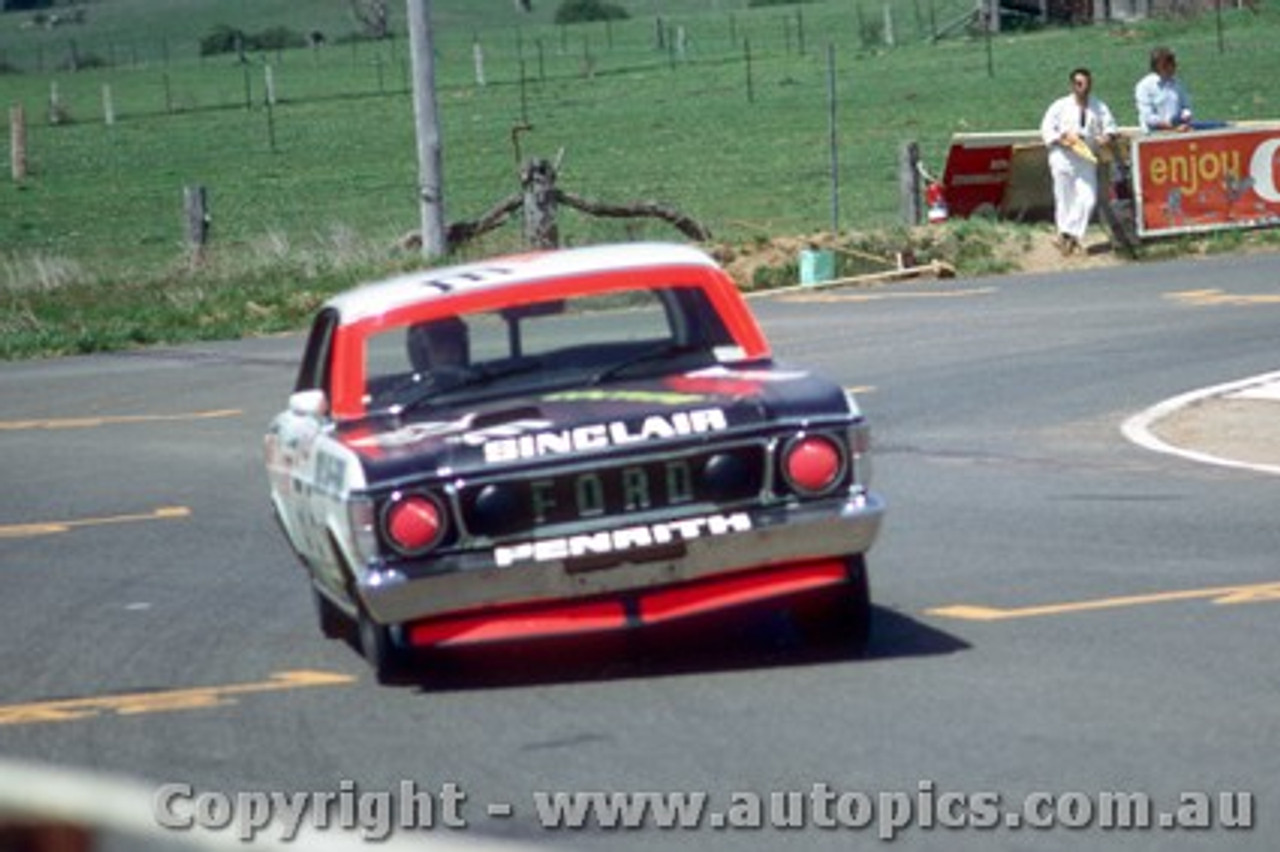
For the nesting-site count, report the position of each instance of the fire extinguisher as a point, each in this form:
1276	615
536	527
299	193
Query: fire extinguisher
936	199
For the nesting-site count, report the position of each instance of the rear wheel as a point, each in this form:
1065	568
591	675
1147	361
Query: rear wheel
857	609
333	623
846	619
388	660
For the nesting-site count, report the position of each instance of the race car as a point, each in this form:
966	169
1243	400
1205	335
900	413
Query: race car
561	442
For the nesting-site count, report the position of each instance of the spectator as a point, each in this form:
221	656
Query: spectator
1163	102
1073	129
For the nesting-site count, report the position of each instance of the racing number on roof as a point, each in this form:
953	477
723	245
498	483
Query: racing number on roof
465	280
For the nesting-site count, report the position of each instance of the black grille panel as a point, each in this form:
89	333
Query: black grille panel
714	477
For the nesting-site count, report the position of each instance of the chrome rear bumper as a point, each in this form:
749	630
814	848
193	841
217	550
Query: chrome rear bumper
836	527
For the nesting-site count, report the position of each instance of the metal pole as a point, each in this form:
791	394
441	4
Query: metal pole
833	141
427	122
1218	14
992	9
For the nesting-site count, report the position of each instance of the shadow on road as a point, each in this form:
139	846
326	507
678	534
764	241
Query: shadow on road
802	635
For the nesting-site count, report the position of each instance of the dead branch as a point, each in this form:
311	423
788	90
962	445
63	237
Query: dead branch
539	198
687	225
460	232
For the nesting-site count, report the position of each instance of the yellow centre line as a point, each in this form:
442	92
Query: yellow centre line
164	513
1201	298
1219	595
112	420
133	704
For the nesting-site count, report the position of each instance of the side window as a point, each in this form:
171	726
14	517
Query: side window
314	373
694	319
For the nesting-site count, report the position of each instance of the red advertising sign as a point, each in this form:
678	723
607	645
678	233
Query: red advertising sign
1002	174
976	171
1207	180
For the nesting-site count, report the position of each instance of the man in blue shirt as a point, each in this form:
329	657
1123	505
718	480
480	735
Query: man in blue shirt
1163	102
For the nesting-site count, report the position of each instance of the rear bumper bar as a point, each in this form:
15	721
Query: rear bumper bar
775	537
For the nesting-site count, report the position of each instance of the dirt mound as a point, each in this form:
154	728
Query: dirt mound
763	262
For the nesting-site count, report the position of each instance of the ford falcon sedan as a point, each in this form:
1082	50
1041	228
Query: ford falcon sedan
560	443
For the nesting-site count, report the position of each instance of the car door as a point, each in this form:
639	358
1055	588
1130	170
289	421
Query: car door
292	447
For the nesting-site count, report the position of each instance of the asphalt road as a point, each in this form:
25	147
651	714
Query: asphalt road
1058	611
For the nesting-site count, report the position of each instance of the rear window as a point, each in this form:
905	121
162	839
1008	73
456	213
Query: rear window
544	344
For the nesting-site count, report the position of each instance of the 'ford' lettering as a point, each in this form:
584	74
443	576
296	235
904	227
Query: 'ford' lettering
599	436
631	489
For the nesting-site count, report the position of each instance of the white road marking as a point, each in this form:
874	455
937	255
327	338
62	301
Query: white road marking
1270	392
1138	427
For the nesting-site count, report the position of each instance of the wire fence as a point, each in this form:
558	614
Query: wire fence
725	114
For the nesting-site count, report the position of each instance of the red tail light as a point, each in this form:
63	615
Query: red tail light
413	523
813	464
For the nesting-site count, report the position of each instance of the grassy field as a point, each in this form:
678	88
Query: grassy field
313	193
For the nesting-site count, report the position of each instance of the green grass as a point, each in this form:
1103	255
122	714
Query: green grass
321	187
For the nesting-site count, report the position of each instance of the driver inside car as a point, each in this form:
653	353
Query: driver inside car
439	350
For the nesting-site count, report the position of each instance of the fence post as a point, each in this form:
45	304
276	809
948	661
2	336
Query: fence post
524	96
18	143
55	103
540	228
196	216
108	106
992	25
833	140
477	59
909	183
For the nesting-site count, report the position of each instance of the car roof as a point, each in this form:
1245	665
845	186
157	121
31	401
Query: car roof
509	271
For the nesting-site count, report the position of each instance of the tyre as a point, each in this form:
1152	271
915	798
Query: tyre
333	623
387	659
845	620
857	609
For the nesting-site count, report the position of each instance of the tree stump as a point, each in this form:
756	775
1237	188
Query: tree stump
538	177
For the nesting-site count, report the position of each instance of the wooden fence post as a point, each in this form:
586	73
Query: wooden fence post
477	60
56	112
108	106
540	228
909	183
18	143
196	216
